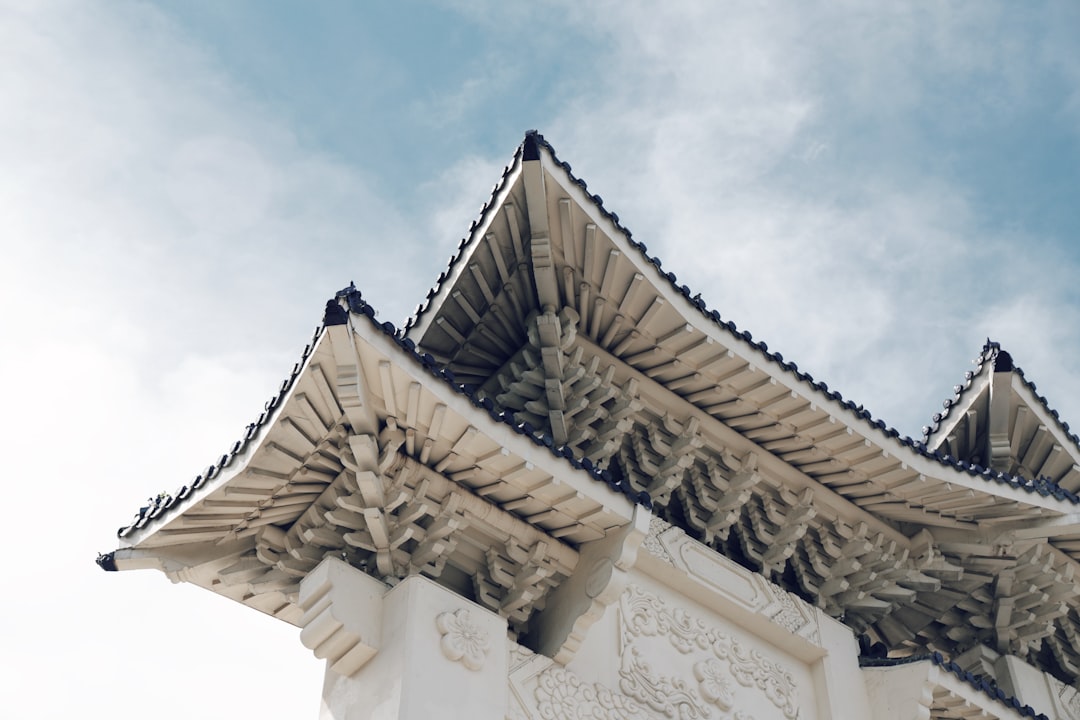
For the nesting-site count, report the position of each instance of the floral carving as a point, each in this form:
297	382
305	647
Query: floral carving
645	615
750	669
561	695
714	684
519	655
670	696
463	639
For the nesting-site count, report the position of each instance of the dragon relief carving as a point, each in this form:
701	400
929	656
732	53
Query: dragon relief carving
719	665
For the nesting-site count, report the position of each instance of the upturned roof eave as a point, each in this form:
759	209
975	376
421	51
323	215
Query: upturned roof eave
168	509
695	312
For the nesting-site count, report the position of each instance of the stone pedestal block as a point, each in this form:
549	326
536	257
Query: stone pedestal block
434	654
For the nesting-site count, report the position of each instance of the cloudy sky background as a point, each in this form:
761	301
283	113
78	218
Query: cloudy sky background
872	188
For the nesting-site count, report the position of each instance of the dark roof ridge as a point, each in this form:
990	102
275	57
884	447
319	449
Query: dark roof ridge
469	239
533	141
988	353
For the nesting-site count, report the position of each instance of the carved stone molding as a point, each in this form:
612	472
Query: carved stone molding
652	542
462	639
734	583
1066	697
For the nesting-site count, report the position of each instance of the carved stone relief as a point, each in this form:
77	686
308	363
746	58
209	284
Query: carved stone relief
754	592
652	542
562	695
710	676
463	639
646	615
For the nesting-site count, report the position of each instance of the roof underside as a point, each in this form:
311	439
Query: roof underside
557	328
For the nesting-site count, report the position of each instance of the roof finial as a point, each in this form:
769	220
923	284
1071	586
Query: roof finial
531	150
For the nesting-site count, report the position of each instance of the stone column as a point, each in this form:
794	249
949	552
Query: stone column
412	652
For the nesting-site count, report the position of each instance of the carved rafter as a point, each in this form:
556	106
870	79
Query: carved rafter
392	517
1010	598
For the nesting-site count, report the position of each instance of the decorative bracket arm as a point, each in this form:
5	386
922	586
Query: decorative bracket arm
343	614
602	574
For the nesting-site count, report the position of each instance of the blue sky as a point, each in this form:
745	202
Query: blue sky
872	188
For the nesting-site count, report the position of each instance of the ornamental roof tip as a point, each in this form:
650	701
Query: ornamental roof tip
986	686
528	150
996	358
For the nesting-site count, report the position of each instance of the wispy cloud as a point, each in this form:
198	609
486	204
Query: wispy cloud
776	160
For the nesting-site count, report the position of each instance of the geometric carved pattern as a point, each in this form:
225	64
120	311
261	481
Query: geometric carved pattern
673	546
1067	699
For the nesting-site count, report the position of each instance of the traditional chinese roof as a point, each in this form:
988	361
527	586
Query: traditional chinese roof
998	419
558	374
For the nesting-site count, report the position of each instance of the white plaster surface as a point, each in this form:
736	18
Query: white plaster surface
411	677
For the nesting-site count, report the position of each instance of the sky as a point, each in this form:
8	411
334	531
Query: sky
873	188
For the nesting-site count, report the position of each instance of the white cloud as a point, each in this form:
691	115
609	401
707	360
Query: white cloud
732	146
168	248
